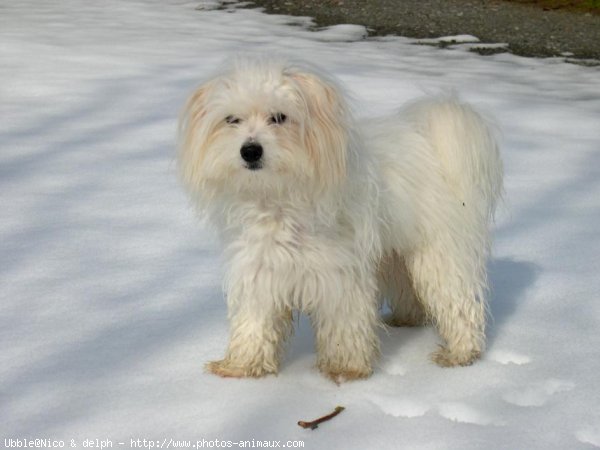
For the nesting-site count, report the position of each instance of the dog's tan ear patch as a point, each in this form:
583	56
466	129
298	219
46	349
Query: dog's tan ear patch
325	135
194	135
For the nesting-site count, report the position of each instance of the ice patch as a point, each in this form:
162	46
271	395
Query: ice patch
343	33
208	5
538	394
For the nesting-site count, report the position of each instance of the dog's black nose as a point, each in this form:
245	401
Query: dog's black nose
251	152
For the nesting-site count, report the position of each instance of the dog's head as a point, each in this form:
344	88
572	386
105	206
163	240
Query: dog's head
264	126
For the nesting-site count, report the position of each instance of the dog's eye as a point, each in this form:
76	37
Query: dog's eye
278	118
232	120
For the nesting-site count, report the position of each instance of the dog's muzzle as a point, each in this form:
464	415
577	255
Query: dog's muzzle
252	152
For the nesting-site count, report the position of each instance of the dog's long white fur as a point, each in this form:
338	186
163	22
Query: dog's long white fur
341	215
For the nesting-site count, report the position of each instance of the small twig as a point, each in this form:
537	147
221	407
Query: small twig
315	423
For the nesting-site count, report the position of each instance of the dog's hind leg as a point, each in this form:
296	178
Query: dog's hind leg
451	287
396	287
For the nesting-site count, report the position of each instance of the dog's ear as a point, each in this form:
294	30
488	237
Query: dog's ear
325	131
194	133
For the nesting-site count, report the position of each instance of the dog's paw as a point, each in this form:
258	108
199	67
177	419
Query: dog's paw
392	321
444	357
339	376
227	369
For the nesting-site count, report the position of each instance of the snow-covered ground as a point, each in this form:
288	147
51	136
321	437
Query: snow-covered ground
110	289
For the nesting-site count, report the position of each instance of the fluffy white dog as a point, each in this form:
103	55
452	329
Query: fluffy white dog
331	216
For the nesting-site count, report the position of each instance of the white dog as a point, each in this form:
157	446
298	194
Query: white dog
331	216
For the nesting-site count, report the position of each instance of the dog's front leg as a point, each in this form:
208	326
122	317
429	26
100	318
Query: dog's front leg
257	336
259	322
345	325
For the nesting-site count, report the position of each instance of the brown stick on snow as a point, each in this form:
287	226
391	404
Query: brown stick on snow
315	423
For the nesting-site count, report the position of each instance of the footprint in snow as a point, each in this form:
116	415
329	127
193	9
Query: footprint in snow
589	436
459	412
392	367
395	407
508	357
537	394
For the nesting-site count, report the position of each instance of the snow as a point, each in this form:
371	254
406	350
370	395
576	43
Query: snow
111	299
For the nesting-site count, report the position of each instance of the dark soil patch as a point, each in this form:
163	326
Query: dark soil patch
529	27
581	6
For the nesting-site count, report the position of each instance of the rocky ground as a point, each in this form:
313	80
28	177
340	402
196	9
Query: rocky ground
529	28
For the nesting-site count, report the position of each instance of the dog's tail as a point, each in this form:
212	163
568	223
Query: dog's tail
466	146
